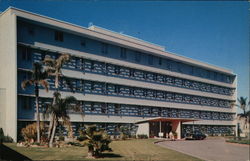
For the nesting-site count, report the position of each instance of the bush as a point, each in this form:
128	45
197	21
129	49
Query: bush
239	141
75	144
81	138
3	138
61	138
142	136
29	132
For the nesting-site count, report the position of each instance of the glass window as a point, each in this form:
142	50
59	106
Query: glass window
117	109
103	108
150	59
83	43
137	57
59	36
26	54
160	61
123	53
104	48
26	103
31	31
92	108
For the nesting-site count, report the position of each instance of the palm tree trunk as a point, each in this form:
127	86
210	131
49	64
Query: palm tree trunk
57	81
53	134
37	113
51	123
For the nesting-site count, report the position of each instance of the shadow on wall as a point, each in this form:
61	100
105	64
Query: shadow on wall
7	153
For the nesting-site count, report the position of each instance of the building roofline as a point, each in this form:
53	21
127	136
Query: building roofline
149	49
92	27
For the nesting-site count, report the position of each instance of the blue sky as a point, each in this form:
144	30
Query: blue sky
213	32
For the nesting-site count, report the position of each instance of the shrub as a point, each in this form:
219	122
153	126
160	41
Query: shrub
142	136
81	138
3	138
29	132
61	138
97	141
75	144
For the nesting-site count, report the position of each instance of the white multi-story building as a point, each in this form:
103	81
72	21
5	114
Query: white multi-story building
118	80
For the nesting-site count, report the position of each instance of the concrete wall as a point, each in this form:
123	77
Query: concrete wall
143	128
8	73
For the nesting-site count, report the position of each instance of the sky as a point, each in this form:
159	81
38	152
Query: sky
215	32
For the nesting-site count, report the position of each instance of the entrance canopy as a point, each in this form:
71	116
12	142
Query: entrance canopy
165	119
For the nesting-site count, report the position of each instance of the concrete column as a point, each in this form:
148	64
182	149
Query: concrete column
178	130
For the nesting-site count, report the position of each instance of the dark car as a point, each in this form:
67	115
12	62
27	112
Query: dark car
195	136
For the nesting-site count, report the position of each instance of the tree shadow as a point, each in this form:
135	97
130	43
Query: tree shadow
110	155
7	153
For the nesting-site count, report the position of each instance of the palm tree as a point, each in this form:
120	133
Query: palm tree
97	141
54	68
243	106
38	78
59	111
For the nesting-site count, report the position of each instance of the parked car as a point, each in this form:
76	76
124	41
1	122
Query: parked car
195	136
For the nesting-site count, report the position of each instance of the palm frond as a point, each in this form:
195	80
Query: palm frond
45	84
62	60
48	61
26	83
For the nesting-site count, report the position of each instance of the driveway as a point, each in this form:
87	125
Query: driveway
210	149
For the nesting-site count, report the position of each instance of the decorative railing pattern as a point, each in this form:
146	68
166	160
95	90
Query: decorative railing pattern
208	129
101	88
111	109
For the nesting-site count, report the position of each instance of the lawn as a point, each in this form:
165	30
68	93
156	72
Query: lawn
239	141
138	149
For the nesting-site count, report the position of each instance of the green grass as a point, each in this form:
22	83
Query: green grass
239	141
137	149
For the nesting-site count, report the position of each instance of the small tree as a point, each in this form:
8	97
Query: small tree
54	68
29	133
243	106
38	78
97	141
59	109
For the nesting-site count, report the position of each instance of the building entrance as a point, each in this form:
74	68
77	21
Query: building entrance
156	127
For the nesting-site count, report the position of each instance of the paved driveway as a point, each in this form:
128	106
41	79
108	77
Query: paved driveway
210	149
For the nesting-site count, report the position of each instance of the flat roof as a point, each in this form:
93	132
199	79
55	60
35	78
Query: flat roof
165	119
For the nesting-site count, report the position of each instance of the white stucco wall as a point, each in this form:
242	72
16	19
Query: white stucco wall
143	128
8	74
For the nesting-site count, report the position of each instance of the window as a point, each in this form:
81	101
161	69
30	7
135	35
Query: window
26	103
160	61
117	70
103	108
92	86
83	43
137	57
131	72
92	108
26	54
159	111
26	76
150	59
123	53
117	89
117	109
31	31
59	36
104	48
179	67
139	110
